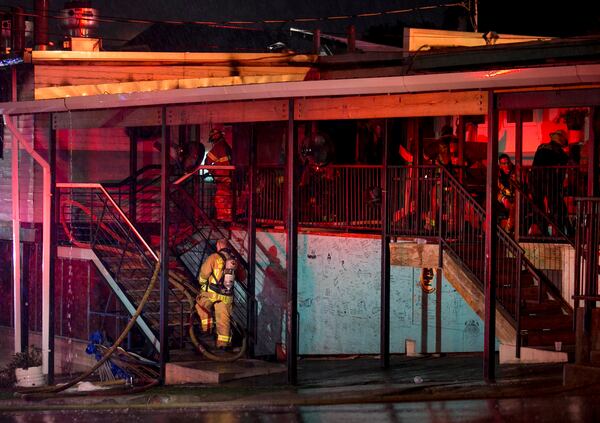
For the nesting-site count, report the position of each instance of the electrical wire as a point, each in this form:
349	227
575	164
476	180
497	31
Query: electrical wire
369	14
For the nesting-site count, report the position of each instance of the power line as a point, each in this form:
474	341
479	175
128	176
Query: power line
115	19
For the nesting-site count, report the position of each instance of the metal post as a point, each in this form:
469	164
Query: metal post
251	317
438	273
16	245
384	335
518	170
164	246
460	131
53	249
591	238
292	250
592	171
317	41
41	24
24	295
417	172
491	238
351	39
46	217
133	183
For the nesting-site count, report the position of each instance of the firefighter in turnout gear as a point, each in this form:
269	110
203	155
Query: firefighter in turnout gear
217	276
220	155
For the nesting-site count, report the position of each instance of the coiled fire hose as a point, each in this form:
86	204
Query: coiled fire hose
42	392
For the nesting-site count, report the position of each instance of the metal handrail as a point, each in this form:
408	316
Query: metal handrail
504	240
115	205
195	171
525	196
210	222
131	178
505	236
522	261
586	251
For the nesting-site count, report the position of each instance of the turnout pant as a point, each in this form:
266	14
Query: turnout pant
222	305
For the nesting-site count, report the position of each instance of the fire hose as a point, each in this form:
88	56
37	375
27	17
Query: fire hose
44	392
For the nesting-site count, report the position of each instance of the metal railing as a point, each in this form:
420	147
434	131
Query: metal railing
548	252
546	207
413	201
191	205
587	244
463	232
138	195
91	218
333	196
423	201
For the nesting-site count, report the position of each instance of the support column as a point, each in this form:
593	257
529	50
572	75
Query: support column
591	236
491	241
518	170
46	223
25	283
52	249
317	41
251	283
291	339
164	245
16	244
132	170
384	334
592	171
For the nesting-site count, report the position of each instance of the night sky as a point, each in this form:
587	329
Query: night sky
576	17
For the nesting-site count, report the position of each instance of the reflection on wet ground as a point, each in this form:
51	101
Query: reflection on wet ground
547	409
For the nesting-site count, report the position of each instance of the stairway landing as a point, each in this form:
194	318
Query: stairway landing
212	372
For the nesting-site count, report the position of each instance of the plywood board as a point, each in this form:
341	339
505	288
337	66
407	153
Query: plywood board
138	57
67	75
161	85
244	111
389	106
416	39
143	116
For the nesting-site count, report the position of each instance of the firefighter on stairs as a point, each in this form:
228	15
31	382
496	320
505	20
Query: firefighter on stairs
217	278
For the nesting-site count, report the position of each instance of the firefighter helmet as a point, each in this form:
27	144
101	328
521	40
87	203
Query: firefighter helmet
215	135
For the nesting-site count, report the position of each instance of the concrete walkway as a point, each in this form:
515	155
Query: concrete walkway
332	382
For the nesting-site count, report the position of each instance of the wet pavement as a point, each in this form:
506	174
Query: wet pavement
569	409
443	389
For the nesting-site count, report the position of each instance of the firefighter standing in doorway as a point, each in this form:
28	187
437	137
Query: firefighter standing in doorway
217	276
220	155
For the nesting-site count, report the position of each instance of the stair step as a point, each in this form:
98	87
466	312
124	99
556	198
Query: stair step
527	279
549	337
545	307
554	322
527	293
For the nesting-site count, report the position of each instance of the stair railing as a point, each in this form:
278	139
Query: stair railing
462	233
544	256
556	183
92	219
531	213
188	194
139	194
586	288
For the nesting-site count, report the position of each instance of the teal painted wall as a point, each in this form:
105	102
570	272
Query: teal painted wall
339	296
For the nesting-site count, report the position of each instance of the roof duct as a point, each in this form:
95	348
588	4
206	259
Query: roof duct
79	19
